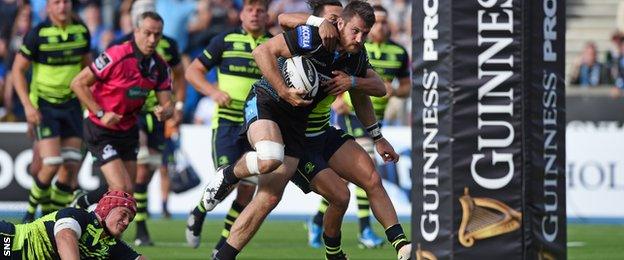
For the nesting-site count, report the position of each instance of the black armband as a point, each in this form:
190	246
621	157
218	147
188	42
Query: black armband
374	131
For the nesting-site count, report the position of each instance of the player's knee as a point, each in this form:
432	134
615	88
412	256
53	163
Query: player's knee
342	196
270	155
268	166
372	182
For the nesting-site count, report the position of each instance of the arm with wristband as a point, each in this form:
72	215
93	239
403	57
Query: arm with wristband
327	29
365	113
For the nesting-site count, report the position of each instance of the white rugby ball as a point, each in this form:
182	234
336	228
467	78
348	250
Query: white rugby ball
299	72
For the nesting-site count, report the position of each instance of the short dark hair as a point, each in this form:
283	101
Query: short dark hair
317	6
152	15
379	8
360	8
264	3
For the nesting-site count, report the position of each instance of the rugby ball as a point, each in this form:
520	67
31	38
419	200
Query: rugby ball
299	72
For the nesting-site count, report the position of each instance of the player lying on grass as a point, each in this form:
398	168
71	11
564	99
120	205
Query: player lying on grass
72	233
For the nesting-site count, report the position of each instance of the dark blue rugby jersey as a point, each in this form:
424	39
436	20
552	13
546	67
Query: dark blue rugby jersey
306	41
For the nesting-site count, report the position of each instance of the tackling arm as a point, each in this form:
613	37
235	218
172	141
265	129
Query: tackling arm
371	85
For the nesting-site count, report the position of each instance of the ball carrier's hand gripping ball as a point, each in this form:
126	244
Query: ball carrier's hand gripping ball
299	72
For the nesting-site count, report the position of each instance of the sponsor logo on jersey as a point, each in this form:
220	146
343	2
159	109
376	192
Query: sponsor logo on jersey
102	61
137	92
304	37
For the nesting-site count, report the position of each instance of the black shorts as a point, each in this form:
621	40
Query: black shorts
227	147
59	120
106	145
292	123
154	129
7	238
319	150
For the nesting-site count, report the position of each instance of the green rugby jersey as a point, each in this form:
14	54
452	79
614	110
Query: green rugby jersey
56	54
231	51
390	60
318	120
167	48
36	240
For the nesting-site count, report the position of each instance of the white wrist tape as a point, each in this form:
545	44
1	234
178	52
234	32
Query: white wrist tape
179	105
315	20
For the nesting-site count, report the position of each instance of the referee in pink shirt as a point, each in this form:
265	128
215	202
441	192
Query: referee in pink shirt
114	88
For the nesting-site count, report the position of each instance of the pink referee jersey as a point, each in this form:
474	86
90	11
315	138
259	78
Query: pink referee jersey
124	78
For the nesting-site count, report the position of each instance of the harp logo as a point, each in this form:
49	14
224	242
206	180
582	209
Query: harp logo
484	218
424	254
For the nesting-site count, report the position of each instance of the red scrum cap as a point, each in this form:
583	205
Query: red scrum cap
113	199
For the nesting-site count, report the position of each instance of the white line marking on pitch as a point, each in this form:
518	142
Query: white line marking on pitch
576	244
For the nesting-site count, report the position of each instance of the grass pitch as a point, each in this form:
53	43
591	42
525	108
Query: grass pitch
276	239
286	239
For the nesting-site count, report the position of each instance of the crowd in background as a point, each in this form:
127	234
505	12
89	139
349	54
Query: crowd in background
590	70
192	23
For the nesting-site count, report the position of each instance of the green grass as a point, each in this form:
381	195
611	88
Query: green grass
279	239
595	241
274	240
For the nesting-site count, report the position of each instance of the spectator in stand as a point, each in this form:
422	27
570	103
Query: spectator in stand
284	6
100	34
177	18
21	26
613	54
587	71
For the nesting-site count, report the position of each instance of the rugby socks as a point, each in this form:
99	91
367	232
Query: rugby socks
39	194
91	197
318	218
332	246
231	216
363	212
165	209
229	176
396	236
140	195
62	195
226	252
